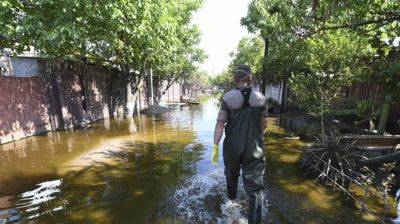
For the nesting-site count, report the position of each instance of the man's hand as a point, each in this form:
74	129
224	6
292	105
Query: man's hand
214	156
219	129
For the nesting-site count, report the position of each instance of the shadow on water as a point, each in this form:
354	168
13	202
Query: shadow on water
128	190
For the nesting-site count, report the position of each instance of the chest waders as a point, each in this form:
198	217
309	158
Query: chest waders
243	149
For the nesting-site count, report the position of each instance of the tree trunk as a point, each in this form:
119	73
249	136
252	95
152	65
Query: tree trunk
264	70
150	72
385	114
314	9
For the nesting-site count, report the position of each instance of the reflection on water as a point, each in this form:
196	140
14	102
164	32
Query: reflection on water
150	170
30	203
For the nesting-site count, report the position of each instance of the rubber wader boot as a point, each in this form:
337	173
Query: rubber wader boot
232	186
255	209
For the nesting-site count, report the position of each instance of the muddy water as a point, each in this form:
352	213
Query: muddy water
152	170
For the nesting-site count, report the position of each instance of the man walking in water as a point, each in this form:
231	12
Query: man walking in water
243	111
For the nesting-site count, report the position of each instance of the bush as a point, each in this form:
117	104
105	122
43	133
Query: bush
331	149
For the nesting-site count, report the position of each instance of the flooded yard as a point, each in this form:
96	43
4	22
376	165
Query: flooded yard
153	170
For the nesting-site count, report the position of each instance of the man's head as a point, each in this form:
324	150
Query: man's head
242	74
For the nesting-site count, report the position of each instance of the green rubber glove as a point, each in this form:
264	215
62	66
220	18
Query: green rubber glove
214	156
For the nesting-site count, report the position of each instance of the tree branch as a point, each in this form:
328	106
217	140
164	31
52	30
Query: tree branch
383	22
172	81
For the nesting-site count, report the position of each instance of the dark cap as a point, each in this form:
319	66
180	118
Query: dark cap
241	71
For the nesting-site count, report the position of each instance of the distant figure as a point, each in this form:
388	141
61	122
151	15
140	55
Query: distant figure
243	110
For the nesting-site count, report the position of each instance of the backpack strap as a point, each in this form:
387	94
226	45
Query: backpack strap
246	95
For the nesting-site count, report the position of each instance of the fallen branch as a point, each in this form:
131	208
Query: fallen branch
376	161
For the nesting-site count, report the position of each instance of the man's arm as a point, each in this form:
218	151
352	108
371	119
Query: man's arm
219	129
221	120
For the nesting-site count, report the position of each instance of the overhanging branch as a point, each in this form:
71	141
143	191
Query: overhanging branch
379	22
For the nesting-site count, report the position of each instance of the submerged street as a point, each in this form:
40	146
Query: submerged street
153	169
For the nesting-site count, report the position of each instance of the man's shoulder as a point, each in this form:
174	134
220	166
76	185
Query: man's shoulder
257	99
231	94
233	99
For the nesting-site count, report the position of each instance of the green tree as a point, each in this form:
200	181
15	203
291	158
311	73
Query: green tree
291	31
223	80
135	36
331	66
249	51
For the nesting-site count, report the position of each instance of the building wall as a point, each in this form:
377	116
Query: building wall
24	108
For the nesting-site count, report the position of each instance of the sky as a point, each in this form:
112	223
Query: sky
219	23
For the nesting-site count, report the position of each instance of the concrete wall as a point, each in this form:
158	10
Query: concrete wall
97	82
83	93
64	95
69	91
54	95
24	108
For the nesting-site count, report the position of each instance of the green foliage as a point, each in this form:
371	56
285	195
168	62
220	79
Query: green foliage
224	80
320	47
133	35
250	52
330	67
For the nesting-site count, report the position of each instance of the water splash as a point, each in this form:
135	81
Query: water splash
202	199
232	213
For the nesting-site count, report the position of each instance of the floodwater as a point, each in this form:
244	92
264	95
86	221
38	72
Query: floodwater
153	170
